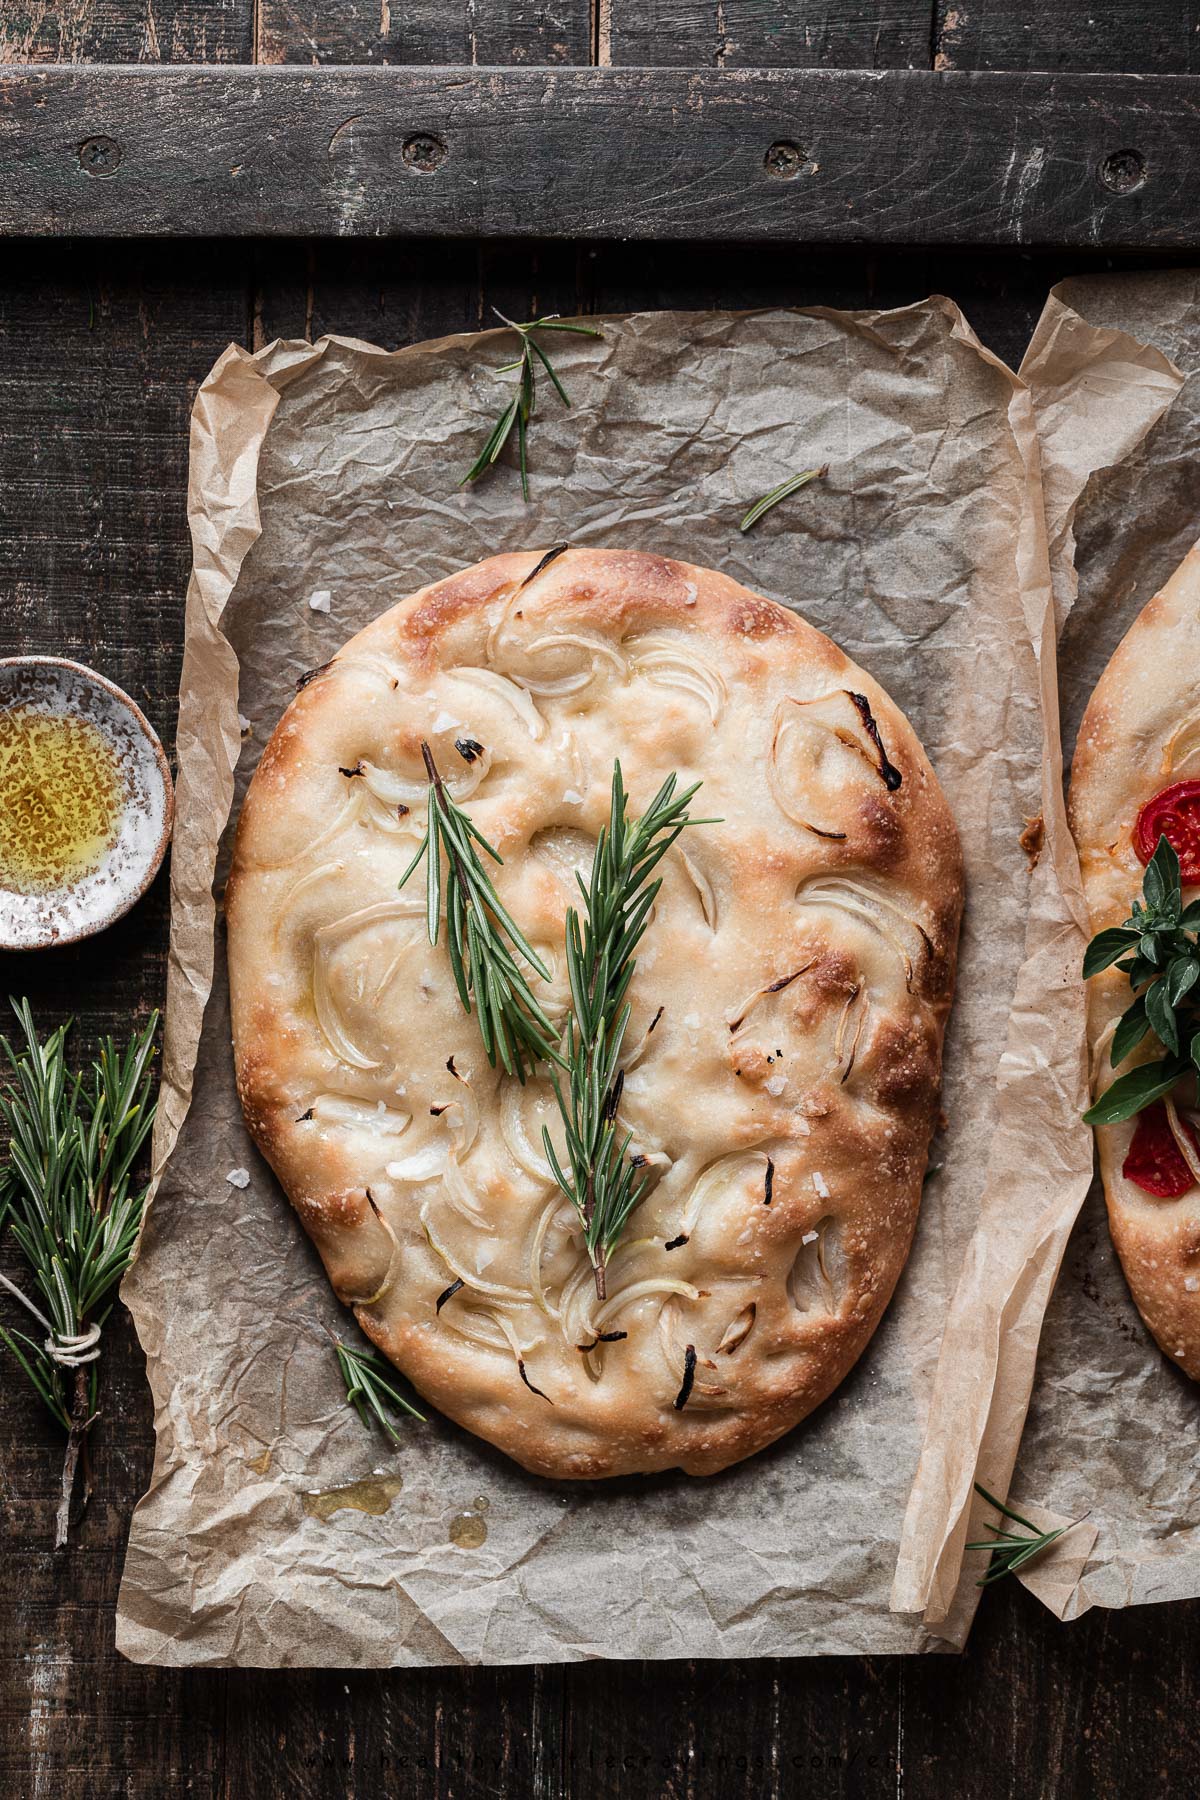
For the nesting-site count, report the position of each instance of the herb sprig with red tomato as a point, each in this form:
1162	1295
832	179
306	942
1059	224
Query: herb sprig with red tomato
1157	948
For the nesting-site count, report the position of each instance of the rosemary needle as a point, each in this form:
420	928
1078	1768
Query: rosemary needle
517	413
791	486
1011	1550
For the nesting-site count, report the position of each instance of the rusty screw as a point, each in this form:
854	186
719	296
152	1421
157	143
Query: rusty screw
99	156
423	152
784	160
1122	171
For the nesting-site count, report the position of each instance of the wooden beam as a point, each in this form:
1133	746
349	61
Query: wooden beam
810	156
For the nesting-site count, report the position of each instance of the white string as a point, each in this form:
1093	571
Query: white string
68	1352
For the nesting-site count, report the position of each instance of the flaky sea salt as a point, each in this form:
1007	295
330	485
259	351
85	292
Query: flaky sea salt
319	599
571	798
1190	1284
238	1178
446	722
820	1184
692	1021
810	1237
244	725
776	1084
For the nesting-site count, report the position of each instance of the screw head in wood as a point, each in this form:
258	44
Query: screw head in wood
423	152
99	156
784	160
1122	171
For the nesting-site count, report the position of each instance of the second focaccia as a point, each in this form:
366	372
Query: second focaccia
783	1057
1137	757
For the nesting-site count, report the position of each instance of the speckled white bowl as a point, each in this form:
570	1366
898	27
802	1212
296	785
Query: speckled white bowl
51	684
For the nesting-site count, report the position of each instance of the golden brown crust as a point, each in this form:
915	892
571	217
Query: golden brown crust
787	1129
1141	731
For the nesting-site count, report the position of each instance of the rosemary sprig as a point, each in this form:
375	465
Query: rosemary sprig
519	410
1012	1550
73	1209
601	1179
1158	948
371	1388
483	939
791	486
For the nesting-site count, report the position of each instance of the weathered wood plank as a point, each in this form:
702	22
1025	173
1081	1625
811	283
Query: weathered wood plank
815	156
113	31
530	32
1103	35
731	34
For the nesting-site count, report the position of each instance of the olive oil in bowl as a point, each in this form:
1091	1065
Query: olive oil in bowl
61	799
86	802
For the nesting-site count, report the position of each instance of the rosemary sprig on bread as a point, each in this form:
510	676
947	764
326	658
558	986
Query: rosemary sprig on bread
483	940
600	1179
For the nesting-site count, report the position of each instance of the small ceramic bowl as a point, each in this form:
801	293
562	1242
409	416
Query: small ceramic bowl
62	915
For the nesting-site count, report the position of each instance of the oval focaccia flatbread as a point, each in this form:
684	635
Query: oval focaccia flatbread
783	1057
1140	735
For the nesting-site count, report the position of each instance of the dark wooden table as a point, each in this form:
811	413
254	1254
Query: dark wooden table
102	344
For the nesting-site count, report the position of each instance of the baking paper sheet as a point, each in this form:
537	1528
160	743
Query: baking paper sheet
334	470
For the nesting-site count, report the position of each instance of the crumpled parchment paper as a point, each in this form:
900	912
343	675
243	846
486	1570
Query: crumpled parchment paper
333	470
1095	394
1112	1427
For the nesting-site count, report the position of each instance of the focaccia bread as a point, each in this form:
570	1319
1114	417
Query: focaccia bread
1139	736
783	1057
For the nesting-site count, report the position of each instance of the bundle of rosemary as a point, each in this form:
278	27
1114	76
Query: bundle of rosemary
72	1204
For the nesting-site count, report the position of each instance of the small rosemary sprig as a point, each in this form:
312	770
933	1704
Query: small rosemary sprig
600	1178
74	1209
791	486
484	941
371	1388
519	410
1011	1550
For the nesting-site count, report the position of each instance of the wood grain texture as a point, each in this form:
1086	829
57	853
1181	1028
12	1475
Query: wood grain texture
1099	35
731	34
813	156
115	31
530	32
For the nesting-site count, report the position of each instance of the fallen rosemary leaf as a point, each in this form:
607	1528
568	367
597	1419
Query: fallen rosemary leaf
371	1388
72	1207
791	486
518	411
1010	1550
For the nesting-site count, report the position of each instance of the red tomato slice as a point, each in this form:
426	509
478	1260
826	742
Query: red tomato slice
1155	1162
1174	814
